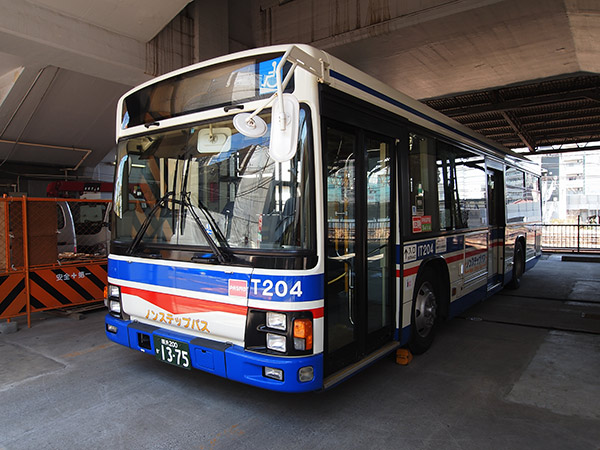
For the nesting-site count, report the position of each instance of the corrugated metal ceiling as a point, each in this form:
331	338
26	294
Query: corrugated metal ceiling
543	113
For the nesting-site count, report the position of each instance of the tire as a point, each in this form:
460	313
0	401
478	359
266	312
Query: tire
518	267
425	313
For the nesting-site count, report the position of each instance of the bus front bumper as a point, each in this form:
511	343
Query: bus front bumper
223	359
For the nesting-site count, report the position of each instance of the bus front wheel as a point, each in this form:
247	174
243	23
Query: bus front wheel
425	312
518	267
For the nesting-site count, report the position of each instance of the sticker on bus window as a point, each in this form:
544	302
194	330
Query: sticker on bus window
416	224
421	224
426	223
267	78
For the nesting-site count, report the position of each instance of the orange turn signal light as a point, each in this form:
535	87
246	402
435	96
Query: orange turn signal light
303	329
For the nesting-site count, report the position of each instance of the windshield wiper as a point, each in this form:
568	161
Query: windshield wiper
213	223
140	234
185	203
219	252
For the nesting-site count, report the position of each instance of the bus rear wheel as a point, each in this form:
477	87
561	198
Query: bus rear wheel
424	316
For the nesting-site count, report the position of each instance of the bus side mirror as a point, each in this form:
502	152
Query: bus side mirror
284	128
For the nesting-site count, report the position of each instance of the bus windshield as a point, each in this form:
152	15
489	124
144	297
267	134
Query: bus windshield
207	189
210	87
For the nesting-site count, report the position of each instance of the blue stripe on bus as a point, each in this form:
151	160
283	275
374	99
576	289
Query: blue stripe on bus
421	250
261	287
466	301
287	288
229	361
403	106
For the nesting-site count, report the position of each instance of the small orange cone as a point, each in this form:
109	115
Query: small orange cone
403	356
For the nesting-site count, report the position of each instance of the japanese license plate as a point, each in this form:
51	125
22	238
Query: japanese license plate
172	352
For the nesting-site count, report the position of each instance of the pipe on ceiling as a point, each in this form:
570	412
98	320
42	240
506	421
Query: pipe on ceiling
87	151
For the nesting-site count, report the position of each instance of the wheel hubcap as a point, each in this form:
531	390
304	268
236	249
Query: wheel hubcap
425	309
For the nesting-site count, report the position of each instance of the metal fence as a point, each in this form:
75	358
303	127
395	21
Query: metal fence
53	254
571	237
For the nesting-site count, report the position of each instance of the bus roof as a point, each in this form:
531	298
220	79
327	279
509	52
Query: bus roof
341	75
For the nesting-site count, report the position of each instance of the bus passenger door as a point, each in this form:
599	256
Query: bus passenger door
495	188
359	283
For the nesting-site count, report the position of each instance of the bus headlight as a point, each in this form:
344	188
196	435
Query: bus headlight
114	306
277	321
114	300
283	332
114	291
276	342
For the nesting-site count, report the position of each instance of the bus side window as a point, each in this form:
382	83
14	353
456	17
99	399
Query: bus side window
447	186
465	186
423	192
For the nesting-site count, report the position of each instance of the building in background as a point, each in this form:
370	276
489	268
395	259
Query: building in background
570	186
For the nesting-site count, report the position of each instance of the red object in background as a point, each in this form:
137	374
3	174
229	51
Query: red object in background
73	189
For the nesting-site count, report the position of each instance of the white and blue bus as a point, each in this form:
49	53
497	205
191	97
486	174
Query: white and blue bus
284	220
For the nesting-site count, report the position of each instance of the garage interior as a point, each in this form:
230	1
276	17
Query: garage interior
517	371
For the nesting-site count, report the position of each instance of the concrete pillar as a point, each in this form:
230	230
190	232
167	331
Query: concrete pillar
211	29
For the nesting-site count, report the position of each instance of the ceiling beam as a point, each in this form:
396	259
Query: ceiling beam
509	105
516	125
568	150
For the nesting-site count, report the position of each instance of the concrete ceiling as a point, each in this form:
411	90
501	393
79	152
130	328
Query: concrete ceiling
64	63
463	56
432	48
137	19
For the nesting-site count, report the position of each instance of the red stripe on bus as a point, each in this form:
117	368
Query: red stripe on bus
407	272
177	304
475	252
318	313
454	258
414	270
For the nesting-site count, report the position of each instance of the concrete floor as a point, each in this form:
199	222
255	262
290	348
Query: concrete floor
519	371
